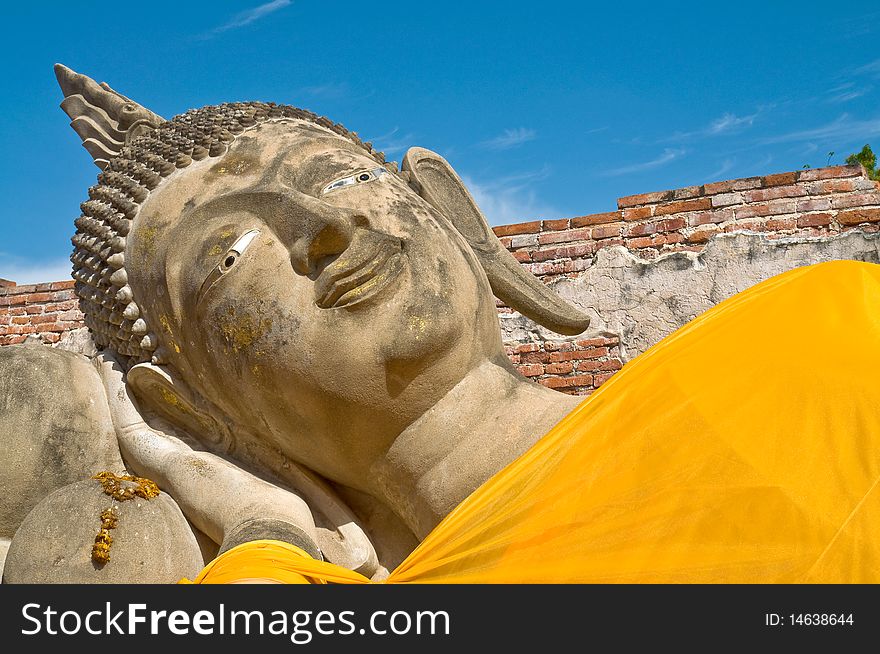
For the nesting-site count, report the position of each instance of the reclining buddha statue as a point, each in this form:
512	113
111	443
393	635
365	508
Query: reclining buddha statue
298	352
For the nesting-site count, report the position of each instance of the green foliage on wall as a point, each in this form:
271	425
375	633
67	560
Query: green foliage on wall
868	159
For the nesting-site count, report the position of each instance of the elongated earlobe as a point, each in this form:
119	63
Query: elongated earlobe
441	187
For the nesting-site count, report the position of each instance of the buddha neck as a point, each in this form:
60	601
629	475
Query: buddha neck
483	423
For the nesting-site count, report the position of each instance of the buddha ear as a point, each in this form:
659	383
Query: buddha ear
104	119
441	187
161	390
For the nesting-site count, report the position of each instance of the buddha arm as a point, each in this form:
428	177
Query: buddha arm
227	503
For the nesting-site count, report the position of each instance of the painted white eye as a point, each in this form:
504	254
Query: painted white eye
357	178
229	260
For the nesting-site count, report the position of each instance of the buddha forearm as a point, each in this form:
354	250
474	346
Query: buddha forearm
219	498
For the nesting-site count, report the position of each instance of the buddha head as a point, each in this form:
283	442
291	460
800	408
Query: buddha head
259	266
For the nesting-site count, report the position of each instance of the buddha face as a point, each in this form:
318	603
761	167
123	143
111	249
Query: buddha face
301	287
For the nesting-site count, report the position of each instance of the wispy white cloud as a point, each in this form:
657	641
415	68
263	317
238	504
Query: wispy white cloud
392	142
761	166
669	155
248	16
330	90
846	96
843	128
872	68
510	138
729	123
725	166
511	199
23	271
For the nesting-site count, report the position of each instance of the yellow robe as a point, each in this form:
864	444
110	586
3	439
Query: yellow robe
744	447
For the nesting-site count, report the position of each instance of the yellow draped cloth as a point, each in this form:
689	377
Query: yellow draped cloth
744	447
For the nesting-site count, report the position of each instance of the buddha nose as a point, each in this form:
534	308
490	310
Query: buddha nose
314	232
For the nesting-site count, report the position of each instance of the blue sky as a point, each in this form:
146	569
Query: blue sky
547	109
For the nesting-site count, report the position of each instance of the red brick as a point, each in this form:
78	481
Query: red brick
38	297
594	342
687	192
526	347
564	236
707	217
531	370
556	357
702	235
673	224
558	368
532	227
67	283
563	346
814	220
595	352
855	200
576	265
12	300
814	204
607	243
595	219
38	320
611	364
567	382
61	306
643	229
35	308
643	198
780	224
812	174
25	288
535	357
699	204
742	184
762	210
13	339
638	213
553	225
642	242
505	241
656	240
544	268
601	378
779	179
51	338
857	216
764	194
606	231
834	186
523	256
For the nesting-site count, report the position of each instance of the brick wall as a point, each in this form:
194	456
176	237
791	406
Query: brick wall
814	203
811	203
45	310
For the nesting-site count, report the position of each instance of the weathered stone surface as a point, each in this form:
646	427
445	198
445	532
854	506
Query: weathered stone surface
152	542
54	424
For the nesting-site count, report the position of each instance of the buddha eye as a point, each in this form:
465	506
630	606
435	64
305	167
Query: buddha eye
357	178
228	261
